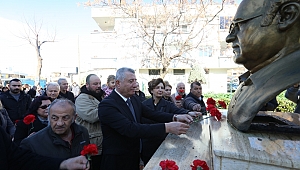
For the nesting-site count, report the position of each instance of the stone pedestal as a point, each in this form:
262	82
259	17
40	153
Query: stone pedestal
183	149
224	148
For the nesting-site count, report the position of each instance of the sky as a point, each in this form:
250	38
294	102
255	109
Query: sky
64	17
70	22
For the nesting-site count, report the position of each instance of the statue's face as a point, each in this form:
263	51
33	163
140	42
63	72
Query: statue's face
253	44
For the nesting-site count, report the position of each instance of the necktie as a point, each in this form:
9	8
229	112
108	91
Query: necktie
128	101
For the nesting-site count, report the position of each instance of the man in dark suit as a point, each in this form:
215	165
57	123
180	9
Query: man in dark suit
120	116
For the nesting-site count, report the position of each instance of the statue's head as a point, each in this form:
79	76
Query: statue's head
264	30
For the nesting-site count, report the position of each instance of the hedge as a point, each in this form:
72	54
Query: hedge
285	105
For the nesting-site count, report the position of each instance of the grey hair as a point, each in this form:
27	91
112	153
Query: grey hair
52	84
60	80
120	75
63	102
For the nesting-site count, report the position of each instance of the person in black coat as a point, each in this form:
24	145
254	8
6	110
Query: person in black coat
14	158
15	97
139	94
38	108
120	116
194	100
63	84
32	92
157	103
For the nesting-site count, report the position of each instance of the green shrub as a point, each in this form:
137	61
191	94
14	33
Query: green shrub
285	105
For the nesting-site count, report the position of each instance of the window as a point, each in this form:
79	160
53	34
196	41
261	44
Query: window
184	28
178	71
225	22
154	71
205	51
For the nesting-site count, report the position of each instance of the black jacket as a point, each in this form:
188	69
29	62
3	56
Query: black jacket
141	96
15	109
150	145
46	143
190	100
15	158
23	130
32	93
67	95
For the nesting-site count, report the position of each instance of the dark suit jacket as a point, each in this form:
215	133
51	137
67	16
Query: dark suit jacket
150	145
121	134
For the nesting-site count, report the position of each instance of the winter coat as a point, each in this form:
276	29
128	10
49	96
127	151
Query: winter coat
46	143
23	130
15	158
6	123
87	115
191	100
15	109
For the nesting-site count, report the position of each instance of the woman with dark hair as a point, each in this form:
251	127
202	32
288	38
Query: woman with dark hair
38	108
167	92
156	102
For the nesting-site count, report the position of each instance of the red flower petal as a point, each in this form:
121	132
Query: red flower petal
210	107
222	104
178	97
211	101
90	149
29	119
199	163
216	113
168	165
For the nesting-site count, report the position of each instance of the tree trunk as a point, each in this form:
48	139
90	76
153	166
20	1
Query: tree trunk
38	68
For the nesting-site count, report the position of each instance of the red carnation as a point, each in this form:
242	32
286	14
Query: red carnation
216	113
199	164
29	119
222	104
178	97
89	150
168	165
209	107
211	101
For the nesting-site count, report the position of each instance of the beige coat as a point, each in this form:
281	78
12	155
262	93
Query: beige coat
87	116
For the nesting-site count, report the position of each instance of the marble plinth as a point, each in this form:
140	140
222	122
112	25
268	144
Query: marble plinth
183	149
232	149
224	148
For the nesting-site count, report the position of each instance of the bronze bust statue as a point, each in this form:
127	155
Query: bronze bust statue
265	37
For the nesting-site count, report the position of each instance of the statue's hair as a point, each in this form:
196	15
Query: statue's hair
272	7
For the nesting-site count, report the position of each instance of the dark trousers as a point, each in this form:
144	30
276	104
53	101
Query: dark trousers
96	162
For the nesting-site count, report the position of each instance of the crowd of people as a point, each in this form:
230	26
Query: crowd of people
126	127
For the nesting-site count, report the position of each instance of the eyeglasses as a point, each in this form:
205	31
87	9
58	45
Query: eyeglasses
234	24
44	106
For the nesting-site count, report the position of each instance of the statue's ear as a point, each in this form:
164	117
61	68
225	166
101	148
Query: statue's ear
289	15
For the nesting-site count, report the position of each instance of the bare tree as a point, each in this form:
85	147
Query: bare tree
164	32
32	34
